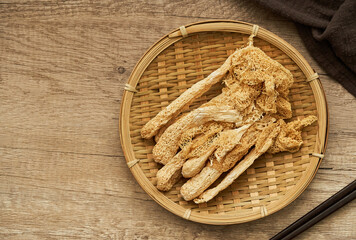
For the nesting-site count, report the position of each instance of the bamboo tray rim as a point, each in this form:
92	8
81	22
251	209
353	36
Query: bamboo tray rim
227	26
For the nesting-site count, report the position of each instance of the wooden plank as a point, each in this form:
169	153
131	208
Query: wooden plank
96	196
228	9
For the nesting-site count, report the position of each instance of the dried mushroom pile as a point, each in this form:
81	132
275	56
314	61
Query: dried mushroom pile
231	130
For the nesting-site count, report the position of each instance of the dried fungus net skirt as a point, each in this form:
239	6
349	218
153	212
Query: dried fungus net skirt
173	65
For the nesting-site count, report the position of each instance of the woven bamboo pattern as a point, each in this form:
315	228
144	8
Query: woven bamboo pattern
273	181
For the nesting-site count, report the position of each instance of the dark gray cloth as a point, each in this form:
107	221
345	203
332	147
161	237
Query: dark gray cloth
328	29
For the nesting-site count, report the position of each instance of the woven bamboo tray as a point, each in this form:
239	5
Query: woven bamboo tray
175	63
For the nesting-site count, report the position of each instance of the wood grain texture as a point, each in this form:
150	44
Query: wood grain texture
63	65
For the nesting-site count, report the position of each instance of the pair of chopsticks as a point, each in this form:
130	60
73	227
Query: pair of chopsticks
339	199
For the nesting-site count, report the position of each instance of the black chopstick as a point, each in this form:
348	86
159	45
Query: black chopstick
345	195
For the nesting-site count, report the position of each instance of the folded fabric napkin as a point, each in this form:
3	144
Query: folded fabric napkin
328	29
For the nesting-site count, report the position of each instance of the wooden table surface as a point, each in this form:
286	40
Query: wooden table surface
63	65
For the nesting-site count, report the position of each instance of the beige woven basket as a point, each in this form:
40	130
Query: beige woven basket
179	60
